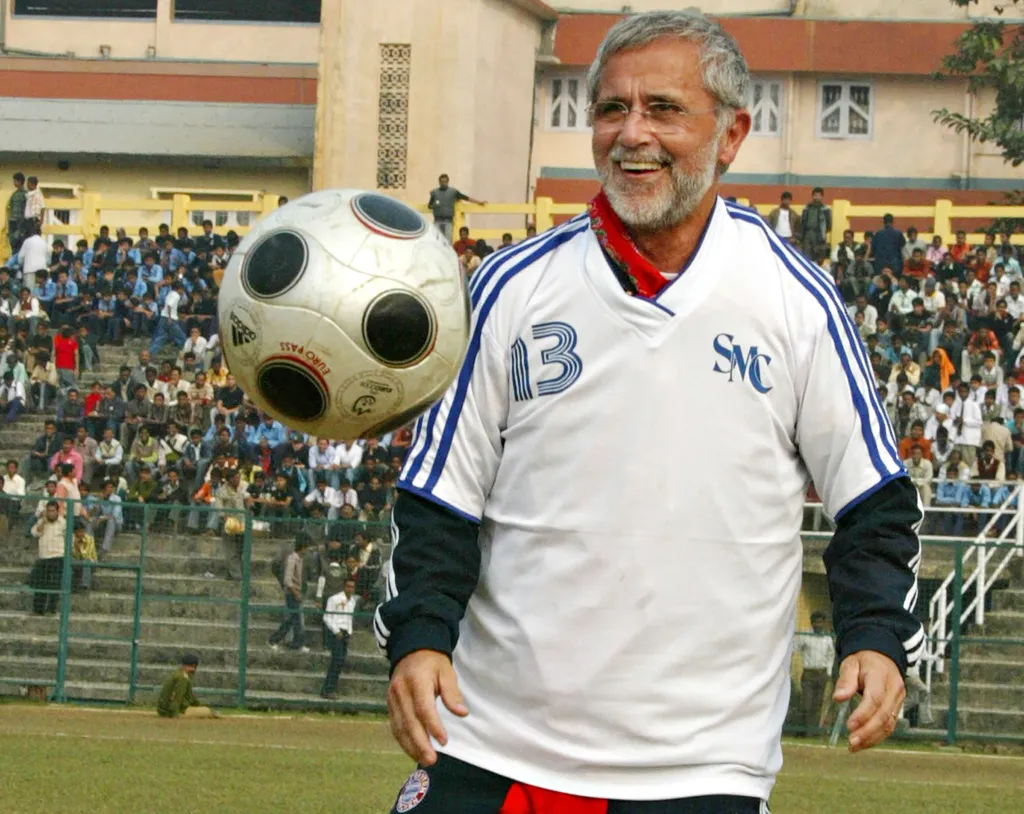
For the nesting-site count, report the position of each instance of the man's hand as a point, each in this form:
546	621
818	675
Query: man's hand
417	681
878	680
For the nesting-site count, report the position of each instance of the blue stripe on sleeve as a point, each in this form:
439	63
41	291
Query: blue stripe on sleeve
856	391
554	240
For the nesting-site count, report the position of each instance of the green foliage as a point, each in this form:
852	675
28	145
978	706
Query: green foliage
990	54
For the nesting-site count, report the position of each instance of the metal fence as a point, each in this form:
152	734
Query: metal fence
107	626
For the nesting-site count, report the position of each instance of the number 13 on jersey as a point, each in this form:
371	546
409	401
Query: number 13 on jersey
560	366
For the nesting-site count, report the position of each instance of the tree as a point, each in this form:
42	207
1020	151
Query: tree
990	54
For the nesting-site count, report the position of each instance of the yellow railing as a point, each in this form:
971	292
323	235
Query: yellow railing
940	218
91	210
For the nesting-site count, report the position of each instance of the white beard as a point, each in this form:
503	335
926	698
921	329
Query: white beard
669	205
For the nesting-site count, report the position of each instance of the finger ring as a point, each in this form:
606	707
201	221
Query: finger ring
894	716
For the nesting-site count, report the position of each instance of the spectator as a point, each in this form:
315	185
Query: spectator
12	399
177	698
442	204
141	491
168	327
988	466
16	212
170	494
815	226
966	416
144	453
136	412
292	585
321	462
83	551
950	494
65	352
338	616
67	454
45	578
272	430
33	256
818	655
975	495
87	448
279	502
109	453
913	242
34	207
172	447
12	494
324	498
959	250
936	252
195	459
921	471
203	499
44	382
229	399
71	413
232	499
348	456
784	220
159	414
108	414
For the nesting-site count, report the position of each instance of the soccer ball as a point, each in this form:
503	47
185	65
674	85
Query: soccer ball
344	314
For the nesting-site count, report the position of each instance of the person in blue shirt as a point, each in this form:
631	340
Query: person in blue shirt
125	252
60	257
144	316
152	274
272	430
45	290
84	253
136	286
950	494
171	258
980	496
65	300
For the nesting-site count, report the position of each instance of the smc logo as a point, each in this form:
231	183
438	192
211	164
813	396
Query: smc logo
749	364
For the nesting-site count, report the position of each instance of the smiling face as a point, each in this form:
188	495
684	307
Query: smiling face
654	180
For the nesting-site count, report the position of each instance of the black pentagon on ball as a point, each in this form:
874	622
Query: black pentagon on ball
387	216
398	328
291	390
275	264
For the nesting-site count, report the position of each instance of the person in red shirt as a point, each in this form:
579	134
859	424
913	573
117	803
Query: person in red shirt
464	243
65	352
959	250
94	398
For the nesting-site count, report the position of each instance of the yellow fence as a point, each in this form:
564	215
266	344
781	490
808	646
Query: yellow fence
90	210
941	218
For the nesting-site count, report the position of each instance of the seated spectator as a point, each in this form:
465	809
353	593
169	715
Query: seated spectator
67	454
272	430
988	466
278	503
70	413
297	448
172	447
203	500
136	412
915	438
951	493
975	495
141	492
170	494
921	472
321	462
108	414
159	415
201	394
11	493
44	382
68	491
189	369
83	551
348	455
194	459
232	500
12	399
323	498
295	475
177	698
109	453
41	341
144	454
229	399
347	495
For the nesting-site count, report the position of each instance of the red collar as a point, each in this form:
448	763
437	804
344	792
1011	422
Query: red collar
621	250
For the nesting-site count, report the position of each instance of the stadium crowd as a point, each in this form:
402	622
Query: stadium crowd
173	431
943	326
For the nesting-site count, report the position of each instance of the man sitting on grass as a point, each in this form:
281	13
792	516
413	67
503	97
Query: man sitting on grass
176	696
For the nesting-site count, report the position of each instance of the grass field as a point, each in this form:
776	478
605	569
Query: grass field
59	760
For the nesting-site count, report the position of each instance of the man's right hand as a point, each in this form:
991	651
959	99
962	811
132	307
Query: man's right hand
418	680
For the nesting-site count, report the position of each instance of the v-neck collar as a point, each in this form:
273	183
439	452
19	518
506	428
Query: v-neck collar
678	298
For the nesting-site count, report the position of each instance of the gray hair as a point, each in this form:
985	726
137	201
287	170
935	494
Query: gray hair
726	75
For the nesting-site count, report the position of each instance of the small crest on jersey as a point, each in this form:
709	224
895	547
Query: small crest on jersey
413	792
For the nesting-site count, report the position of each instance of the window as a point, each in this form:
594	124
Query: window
393	116
765	106
568	103
247	11
845	110
132	9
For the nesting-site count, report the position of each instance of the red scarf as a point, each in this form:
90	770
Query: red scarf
621	249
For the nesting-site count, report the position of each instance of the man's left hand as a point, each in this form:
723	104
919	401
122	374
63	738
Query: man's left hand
878	680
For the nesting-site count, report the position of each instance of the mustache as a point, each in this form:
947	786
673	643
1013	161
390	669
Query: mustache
620	154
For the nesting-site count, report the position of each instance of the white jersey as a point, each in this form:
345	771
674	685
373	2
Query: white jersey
631	633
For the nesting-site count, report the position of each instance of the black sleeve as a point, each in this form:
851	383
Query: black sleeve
872	564
435	564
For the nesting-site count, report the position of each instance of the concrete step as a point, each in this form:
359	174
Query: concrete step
185	564
1003	623
94	671
263	589
993	650
973	720
259	655
178	631
992	671
984	695
1008	599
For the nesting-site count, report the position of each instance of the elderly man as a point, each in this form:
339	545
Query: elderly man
530	712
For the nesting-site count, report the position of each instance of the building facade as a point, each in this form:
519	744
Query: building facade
843	96
145	97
